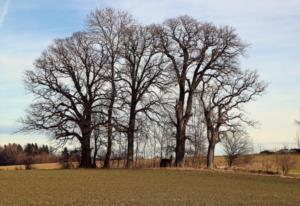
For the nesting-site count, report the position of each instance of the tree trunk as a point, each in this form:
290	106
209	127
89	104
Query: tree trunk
179	150
180	147
183	114
130	138
230	161
95	160
210	155
86	161
109	144
180	143
109	123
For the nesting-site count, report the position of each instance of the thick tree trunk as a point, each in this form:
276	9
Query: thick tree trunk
183	114
180	148
86	131
86	160
210	155
130	138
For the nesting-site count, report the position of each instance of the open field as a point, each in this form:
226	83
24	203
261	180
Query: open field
144	187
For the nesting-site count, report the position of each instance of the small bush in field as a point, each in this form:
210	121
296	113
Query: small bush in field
285	162
28	163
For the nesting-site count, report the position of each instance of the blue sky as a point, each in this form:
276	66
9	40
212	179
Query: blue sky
271	27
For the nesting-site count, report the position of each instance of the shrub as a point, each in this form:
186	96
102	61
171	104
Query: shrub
285	162
28	163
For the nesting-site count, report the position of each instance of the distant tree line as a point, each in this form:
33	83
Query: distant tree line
281	151
122	89
16	154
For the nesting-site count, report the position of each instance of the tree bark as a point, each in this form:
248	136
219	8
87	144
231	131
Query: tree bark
86	161
180	147
180	152
210	155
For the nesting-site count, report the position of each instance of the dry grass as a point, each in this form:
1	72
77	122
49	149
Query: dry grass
43	166
144	187
265	163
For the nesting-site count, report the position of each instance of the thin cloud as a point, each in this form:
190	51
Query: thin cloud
4	12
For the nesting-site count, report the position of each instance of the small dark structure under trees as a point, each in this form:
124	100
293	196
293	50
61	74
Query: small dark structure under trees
166	162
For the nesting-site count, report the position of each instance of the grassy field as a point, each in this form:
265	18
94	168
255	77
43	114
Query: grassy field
144	187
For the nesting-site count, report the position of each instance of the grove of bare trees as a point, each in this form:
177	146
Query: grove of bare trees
119	87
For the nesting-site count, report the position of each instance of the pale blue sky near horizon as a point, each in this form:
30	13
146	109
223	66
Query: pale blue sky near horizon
271	27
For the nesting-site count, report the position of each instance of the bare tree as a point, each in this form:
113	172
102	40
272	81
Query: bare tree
222	100
142	79
194	49
117	74
67	85
235	144
285	162
107	28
